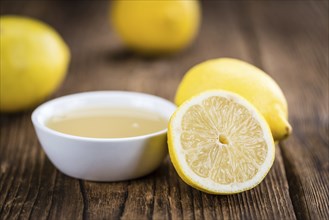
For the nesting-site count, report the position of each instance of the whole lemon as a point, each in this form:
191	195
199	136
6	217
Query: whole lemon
244	79
34	60
156	27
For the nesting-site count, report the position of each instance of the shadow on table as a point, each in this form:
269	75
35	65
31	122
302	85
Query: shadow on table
125	54
8	118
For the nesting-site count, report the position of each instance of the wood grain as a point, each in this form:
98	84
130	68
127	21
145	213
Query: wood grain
304	72
287	39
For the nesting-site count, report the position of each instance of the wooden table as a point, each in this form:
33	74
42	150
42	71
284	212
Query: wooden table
289	40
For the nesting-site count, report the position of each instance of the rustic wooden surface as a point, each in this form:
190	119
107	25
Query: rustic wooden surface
288	39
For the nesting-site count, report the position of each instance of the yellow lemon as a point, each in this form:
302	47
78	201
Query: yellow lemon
34	60
219	143
156	27
244	79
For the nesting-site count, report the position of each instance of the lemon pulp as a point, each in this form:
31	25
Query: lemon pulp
230	145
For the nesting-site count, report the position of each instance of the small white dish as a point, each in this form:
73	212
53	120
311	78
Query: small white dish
103	159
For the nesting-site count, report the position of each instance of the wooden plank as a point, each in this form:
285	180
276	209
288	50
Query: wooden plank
29	182
296	54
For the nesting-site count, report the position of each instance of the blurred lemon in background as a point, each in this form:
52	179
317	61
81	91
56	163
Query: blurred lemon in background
34	60
156	27
244	79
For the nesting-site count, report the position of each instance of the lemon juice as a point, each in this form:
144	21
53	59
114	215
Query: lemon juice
108	122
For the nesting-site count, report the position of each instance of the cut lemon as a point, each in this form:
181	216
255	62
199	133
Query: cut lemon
219	143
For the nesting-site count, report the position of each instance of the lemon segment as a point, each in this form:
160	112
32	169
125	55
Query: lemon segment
244	79
219	143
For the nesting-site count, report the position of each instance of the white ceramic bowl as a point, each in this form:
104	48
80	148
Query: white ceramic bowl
103	159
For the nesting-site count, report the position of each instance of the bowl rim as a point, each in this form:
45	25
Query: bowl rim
37	124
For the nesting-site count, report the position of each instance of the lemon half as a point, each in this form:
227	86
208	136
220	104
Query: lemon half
219	143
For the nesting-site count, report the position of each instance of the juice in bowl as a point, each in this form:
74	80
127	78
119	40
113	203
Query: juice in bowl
104	135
